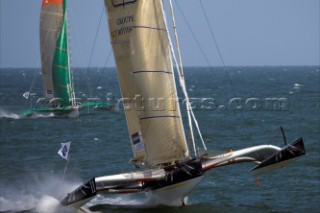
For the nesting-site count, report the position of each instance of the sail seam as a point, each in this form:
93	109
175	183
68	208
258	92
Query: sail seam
151	28
62	86
51	13
120	42
49	29
62	49
123	3
161	116
62	67
148	71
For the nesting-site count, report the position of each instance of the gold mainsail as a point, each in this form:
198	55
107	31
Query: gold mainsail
142	53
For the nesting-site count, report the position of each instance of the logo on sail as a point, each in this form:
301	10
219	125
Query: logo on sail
122	3
137	141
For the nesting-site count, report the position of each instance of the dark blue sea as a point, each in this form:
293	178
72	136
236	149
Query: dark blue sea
236	107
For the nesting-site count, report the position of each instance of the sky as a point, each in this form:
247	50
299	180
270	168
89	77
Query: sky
247	32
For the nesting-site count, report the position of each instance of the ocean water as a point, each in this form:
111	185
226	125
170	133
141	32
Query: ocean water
236	108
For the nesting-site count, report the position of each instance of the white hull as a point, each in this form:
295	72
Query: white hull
173	195
170	185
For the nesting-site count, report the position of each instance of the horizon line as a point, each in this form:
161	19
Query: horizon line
194	66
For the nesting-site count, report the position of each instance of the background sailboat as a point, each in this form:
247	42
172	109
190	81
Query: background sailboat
59	95
168	170
56	73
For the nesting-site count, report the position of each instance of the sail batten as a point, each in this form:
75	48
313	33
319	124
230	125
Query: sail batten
149	27
152	71
142	53
160	116
51	13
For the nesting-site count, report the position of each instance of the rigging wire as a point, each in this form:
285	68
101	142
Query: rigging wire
212	34
92	50
71	93
104	67
75	127
74	131
224	67
182	82
87	78
192	33
76	36
107	59
219	52
28	92
108	55
179	74
35	71
182	75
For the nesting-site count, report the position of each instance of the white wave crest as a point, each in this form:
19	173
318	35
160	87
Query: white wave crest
6	114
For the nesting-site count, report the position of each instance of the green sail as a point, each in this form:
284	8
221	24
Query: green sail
61	74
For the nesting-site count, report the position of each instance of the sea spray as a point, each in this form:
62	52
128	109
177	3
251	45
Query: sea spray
17	203
47	204
7	114
42	195
132	201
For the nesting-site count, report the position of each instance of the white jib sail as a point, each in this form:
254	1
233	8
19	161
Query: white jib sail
142	53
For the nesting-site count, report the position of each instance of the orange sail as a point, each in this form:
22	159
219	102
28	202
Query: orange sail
47	2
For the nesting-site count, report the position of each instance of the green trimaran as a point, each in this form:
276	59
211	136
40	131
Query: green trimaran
55	59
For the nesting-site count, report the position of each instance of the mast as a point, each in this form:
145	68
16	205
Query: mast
181	76
191	116
142	52
72	96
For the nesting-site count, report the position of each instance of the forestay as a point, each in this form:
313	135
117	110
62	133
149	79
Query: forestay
142	53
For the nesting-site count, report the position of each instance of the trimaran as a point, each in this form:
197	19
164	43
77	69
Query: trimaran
56	67
166	171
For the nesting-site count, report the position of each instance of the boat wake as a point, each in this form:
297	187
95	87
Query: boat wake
43	196
48	204
101	202
40	115
30	203
133	201
7	114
